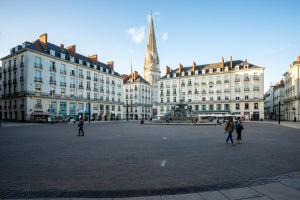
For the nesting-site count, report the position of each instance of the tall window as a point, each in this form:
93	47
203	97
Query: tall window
246	106
38	74
237	106
63	68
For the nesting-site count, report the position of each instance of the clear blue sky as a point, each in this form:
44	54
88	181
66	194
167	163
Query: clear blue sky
267	33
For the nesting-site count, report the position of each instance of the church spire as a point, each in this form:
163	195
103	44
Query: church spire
151	63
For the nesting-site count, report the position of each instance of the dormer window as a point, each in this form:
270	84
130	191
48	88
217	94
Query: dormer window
189	73
174	75
237	67
52	52
87	64
211	70
226	69
203	71
246	66
218	70
196	72
80	62
95	66
72	59
182	73
168	75
62	55
101	69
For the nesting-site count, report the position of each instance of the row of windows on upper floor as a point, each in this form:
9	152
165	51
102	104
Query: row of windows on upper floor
211	81
211	91
216	107
219	98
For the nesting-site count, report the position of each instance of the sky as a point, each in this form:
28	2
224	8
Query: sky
265	32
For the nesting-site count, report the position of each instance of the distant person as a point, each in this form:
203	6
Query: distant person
80	127
229	127
238	128
142	120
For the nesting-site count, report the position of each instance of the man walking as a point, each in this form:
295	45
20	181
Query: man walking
239	127
80	126
229	127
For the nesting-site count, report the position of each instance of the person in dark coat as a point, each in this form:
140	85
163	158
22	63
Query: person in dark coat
238	128
80	127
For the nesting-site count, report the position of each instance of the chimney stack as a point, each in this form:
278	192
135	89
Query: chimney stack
194	67
62	46
93	58
230	61
298	58
222	62
110	64
180	68
168	70
134	75
125	77
71	49
43	38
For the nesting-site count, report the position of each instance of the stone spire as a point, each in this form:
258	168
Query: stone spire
151	62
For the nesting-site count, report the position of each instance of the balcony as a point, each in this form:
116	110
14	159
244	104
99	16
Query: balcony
72	85
203	92
95	79
15	67
226	90
88	88
80	75
63	72
226	81
38	79
219	91
64	84
21	64
256	88
237	80
21	78
52	82
237	89
38	106
246	79
247	89
9	69
80	86
95	90
88	77
256	78
38	66
52	69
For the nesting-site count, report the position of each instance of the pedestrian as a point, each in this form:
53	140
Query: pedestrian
80	126
238	128
229	127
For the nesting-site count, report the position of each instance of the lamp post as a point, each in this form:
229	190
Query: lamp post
126	110
294	109
89	110
279	113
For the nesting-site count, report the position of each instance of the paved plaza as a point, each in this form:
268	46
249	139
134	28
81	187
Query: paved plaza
128	159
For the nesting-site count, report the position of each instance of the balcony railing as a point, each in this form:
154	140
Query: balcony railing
256	88
63	83
21	78
38	79
21	64
38	65
226	90
72	73
88	77
38	106
95	79
63	71
9	69
226	81
95	89
52	82
256	78
72	85
15	67
52	69
80	86
88	88
237	80
237	89
246	89
246	79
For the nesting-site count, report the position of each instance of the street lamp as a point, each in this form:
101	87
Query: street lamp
279	113
294	109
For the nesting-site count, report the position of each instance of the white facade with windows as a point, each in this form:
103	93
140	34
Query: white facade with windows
40	79
292	91
137	97
232	87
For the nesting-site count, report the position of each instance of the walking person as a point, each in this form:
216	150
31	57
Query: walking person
238	128
80	126
229	127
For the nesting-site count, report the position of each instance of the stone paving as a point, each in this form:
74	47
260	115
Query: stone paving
129	159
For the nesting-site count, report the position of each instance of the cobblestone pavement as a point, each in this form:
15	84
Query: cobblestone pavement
129	159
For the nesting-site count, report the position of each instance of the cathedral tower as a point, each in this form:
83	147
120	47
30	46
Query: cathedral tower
151	62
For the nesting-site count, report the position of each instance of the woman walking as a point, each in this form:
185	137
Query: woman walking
229	127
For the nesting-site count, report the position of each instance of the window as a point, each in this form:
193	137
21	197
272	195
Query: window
237	98
246	97
38	60
63	69
226	98
203	107
255	105
219	106
38	88
226	106
52	53
211	107
237	106
219	98
246	106
52	91
62	92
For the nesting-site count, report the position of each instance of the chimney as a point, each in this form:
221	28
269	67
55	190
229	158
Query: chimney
168	70
222	62
246	60
180	68
134	75
110	64
194	67
125	77
71	49
298	59
43	38
230	61
93	58
62	46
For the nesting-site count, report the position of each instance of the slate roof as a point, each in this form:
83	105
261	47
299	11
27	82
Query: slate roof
213	66
139	79
45	48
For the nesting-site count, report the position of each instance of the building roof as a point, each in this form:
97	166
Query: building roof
213	66
45	48
134	78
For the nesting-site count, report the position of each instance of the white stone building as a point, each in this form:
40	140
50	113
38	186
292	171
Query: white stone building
292	90
226	87
137	97
40	79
